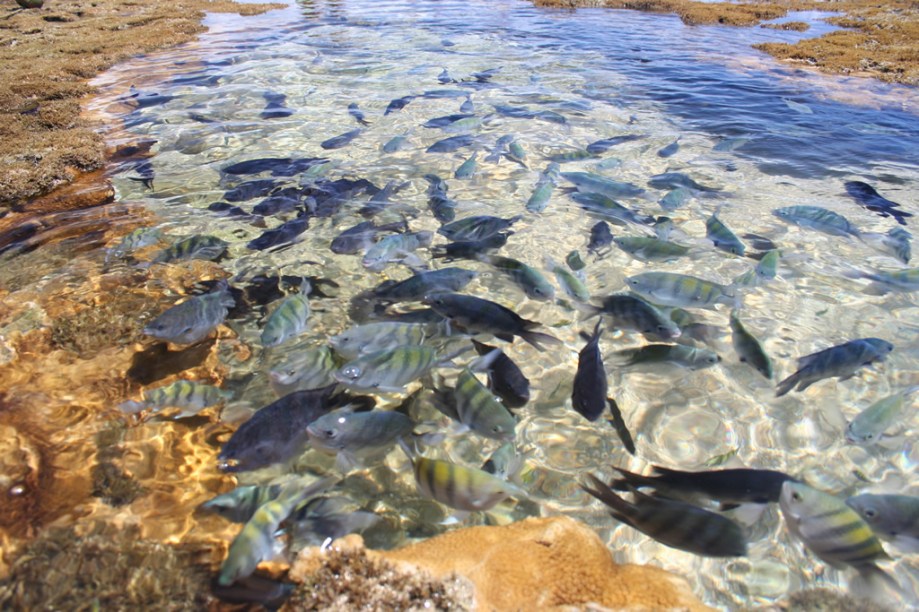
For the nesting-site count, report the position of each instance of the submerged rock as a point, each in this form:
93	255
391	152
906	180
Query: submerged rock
534	564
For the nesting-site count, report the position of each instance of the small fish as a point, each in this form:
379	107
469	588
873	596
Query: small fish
833	531
358	437
609	209
895	242
798	107
842	361
393	248
899	280
574	261
255	542
505	378
470	249
817	218
139	238
445	77
479	410
632	312
380	336
674	180
443	208
276	107
477	315
448	145
675	198
357	113
500	148
460	487
342	140
647	248
867	196
424	283
276	432
193	319
530	280
284	200
544	187
748	348
440	122
722	237
602	146
680	290
670	149
731	144
398	104
467	106
731	486
516	153
594	183
619	425
302	370
467	168
573	286
362	235
485	75
278	166
240	504
388	371
662	227
193	247
588	394
396	143
600	238
288	320
190	396
891	517
691	357
768	265
476	228
570	156
674	523
871	423
282	235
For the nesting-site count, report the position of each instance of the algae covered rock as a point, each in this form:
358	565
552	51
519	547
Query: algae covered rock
534	564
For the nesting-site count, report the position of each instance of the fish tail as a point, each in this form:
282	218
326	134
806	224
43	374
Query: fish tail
631	481
535	338
588	311
788	384
877	585
618	506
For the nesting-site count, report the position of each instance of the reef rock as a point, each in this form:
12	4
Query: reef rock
534	564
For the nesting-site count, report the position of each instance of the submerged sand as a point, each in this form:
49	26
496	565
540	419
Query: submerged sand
47	56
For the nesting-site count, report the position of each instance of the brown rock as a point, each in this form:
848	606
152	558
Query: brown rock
534	564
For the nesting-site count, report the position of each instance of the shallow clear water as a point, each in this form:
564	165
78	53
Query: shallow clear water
607	73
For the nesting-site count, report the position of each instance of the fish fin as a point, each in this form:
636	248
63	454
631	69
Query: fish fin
618	507
535	338
788	384
483	362
877	585
588	311
630	480
433	438
346	462
131	406
505	336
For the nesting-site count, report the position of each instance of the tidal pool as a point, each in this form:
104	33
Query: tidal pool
756	135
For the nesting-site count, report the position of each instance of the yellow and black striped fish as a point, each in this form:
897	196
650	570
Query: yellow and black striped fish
480	410
461	487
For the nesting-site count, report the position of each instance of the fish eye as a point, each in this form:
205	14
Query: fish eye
329	433
351	372
796	496
870	513
186	330
869	436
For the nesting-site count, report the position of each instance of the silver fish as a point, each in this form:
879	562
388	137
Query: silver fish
841	361
871	423
193	319
680	290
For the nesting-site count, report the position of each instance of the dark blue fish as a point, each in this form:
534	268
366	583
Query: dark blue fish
424	283
193	319
450	144
470	249
277	432
485	75
442	207
275	107
279	166
251	190
588	395
505	378
357	113
282	201
281	235
337	142
444	77
398	104
602	146
619	425
475	228
601	238
673	180
670	149
439	122
731	486
842	360
867	196
445	93
356	239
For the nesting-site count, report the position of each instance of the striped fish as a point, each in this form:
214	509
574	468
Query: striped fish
460	487
842	360
632	312
647	248
193	319
680	290
748	348
722	237
288	320
188	395
193	247
817	218
240	504
390	370
829	528
480	410
255	542
674	523
694	358
382	336
304	369
530	280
